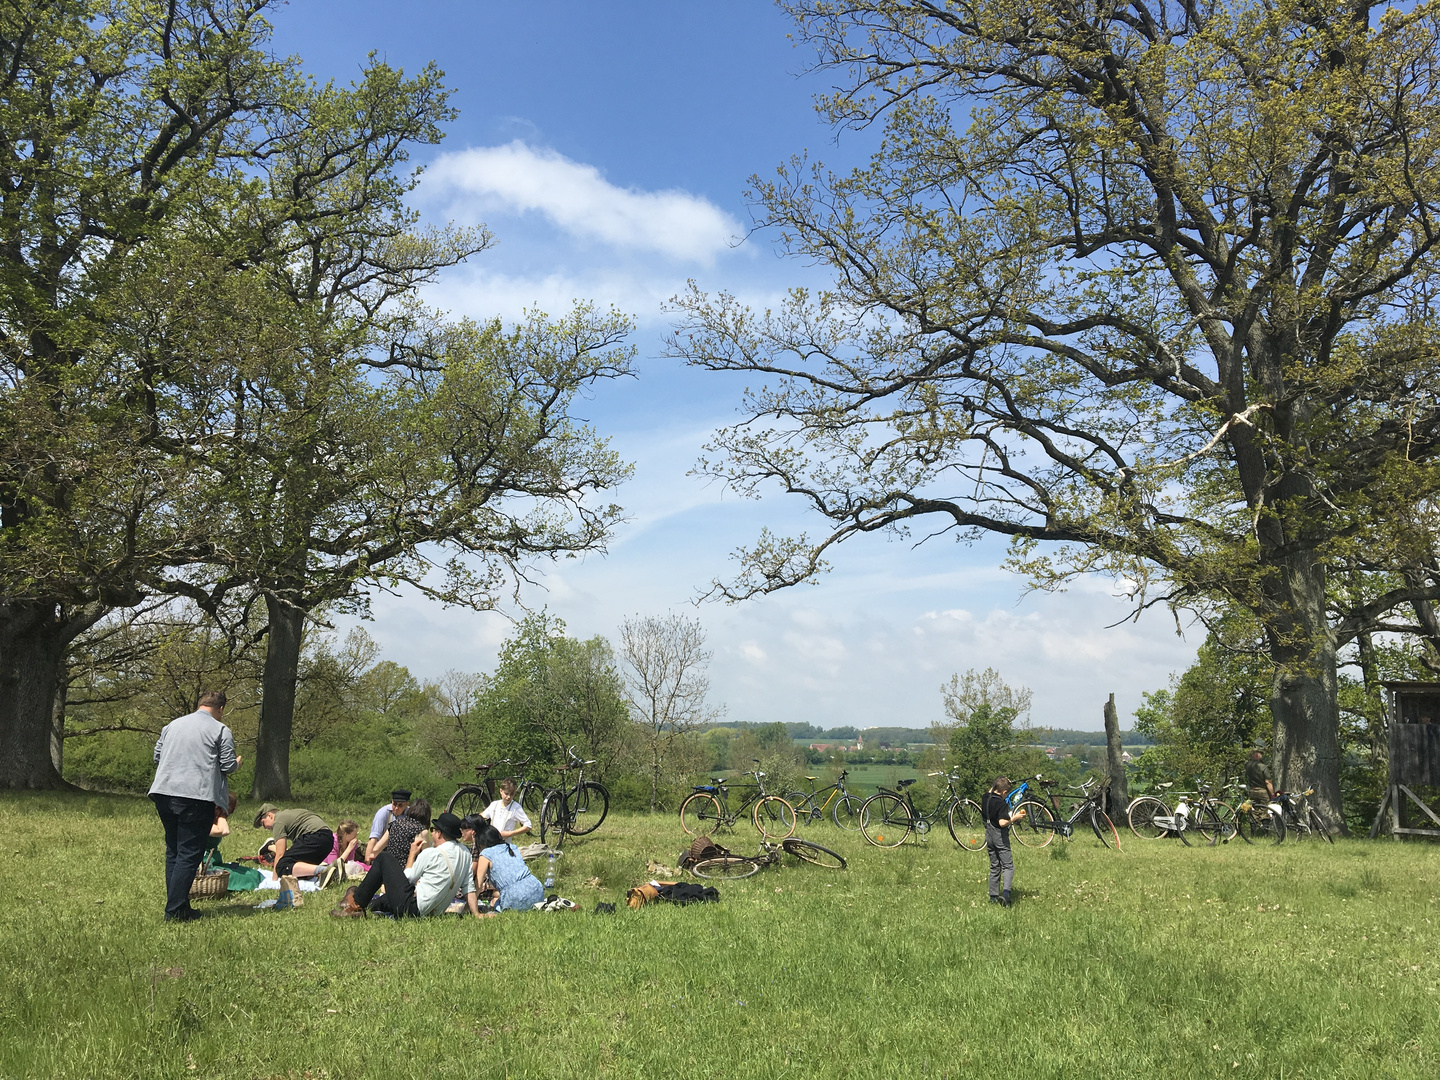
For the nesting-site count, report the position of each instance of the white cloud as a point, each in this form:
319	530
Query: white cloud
576	197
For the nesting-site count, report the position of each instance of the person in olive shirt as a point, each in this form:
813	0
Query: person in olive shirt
1258	778
302	839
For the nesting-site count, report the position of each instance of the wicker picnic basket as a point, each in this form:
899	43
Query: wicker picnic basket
210	883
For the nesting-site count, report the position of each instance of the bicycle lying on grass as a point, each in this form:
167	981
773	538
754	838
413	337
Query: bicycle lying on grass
890	815
708	807
730	867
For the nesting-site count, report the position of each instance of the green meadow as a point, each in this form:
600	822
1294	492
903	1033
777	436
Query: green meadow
1305	960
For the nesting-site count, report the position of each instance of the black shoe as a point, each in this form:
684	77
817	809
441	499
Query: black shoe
188	915
994	899
1004	901
604	909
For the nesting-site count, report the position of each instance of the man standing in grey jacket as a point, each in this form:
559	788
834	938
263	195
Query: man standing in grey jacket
193	756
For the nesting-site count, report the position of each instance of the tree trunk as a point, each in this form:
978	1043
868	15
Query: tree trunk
1119	795
1303	694
33	638
57	721
277	705
655	780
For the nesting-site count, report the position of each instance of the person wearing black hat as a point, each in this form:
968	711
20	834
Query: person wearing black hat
425	885
399	800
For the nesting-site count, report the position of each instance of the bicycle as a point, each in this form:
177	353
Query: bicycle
1038	826
473	798
732	867
1150	817
1300	817
844	808
890	815
1262	822
576	810
708	808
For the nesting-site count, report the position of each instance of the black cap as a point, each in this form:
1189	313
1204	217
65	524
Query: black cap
449	826
399	795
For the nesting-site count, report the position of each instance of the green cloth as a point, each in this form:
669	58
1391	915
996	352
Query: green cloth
293	824
242	878
1256	773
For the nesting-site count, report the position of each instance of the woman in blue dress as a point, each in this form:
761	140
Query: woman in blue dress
506	871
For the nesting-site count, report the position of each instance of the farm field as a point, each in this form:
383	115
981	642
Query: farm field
1300	961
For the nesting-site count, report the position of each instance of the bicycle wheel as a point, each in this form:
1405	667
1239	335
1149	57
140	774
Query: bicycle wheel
812	852
1142	814
1218	818
1105	830
806	811
586	807
774	817
885	820
1318	827
470	799
1237	821
1033	830
552	817
846	812
726	868
532	796
700	814
1206	824
1264	828
967	825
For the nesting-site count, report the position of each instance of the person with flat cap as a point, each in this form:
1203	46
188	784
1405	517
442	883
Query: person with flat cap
425	885
399	800
302	839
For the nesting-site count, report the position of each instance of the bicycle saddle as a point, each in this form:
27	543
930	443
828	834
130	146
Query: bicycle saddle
1048	783
1162	787
812	778
906	783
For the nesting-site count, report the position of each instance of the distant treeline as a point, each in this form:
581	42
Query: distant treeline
1048	736
899	736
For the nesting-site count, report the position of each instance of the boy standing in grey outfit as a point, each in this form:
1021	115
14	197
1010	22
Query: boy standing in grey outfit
996	812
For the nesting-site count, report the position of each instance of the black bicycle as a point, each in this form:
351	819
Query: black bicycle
576	809
811	806
890	815
474	798
1039	826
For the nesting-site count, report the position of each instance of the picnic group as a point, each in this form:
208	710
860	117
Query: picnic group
408	866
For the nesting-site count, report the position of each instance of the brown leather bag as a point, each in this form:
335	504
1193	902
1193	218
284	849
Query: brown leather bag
641	895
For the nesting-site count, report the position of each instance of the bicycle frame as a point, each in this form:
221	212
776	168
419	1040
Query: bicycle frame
918	816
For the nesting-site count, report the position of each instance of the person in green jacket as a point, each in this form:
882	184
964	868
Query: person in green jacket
302	839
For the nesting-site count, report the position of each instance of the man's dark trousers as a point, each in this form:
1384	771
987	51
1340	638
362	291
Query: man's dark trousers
187	826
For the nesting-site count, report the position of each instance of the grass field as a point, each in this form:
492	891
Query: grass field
1301	961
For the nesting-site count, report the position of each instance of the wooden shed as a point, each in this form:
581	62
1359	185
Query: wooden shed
1413	711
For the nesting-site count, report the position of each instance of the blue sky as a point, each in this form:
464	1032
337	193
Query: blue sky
608	148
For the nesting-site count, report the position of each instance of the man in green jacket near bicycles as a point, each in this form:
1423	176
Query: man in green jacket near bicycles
1258	778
